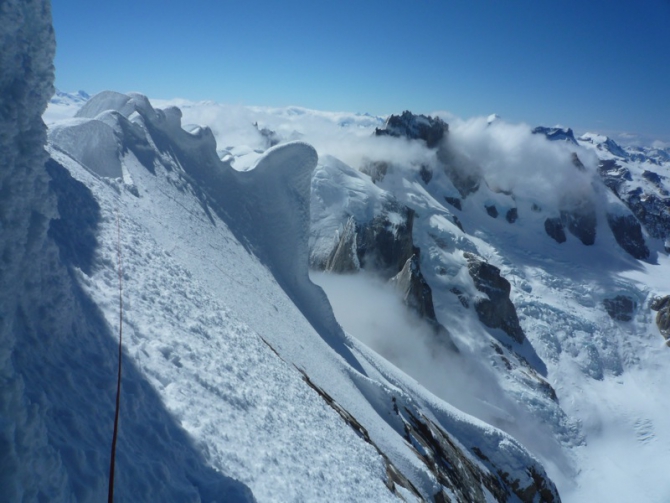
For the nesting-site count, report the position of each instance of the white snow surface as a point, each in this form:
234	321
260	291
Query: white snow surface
605	438
590	360
220	321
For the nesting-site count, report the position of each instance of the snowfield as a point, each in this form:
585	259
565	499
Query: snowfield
222	320
322	306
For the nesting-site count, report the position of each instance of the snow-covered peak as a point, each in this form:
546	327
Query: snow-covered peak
604	144
62	98
64	105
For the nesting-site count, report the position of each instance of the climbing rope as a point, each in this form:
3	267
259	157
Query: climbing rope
112	462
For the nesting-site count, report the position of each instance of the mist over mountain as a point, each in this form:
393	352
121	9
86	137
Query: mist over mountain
323	306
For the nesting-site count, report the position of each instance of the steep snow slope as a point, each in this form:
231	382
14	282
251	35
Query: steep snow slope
225	330
516	201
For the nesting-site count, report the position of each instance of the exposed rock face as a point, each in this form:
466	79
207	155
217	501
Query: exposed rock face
556	134
385	246
385	243
418	296
416	293
344	258
492	210
620	308
497	311
512	215
453	465
612	174
652	177
581	221
426	174
555	230
628	233
650	205
270	137
454	201
577	162
662	306
376	170
652	210
465	175
415	127
463	478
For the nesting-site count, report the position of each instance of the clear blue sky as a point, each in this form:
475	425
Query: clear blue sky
593	65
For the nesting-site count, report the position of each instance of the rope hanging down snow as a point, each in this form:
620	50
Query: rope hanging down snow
110	497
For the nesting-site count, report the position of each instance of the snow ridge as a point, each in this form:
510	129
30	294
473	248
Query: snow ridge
243	237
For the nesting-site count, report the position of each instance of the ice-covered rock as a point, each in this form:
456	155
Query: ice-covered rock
495	310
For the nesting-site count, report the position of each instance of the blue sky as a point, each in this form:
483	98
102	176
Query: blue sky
593	65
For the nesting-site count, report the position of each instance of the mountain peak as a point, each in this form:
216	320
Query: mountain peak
556	134
415	127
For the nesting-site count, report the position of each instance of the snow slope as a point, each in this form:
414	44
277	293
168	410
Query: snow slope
239	384
560	290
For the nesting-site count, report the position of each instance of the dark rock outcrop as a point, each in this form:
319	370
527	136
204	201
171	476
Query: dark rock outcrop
581	221
454	201
652	177
463	173
577	162
497	311
457	222
613	175
662	306
492	210
418	296
415	127
383	245
460	476
453	465
652	210
620	308
628	233
555	230
426	174
512	215
416	293
270	137
650	204
557	134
